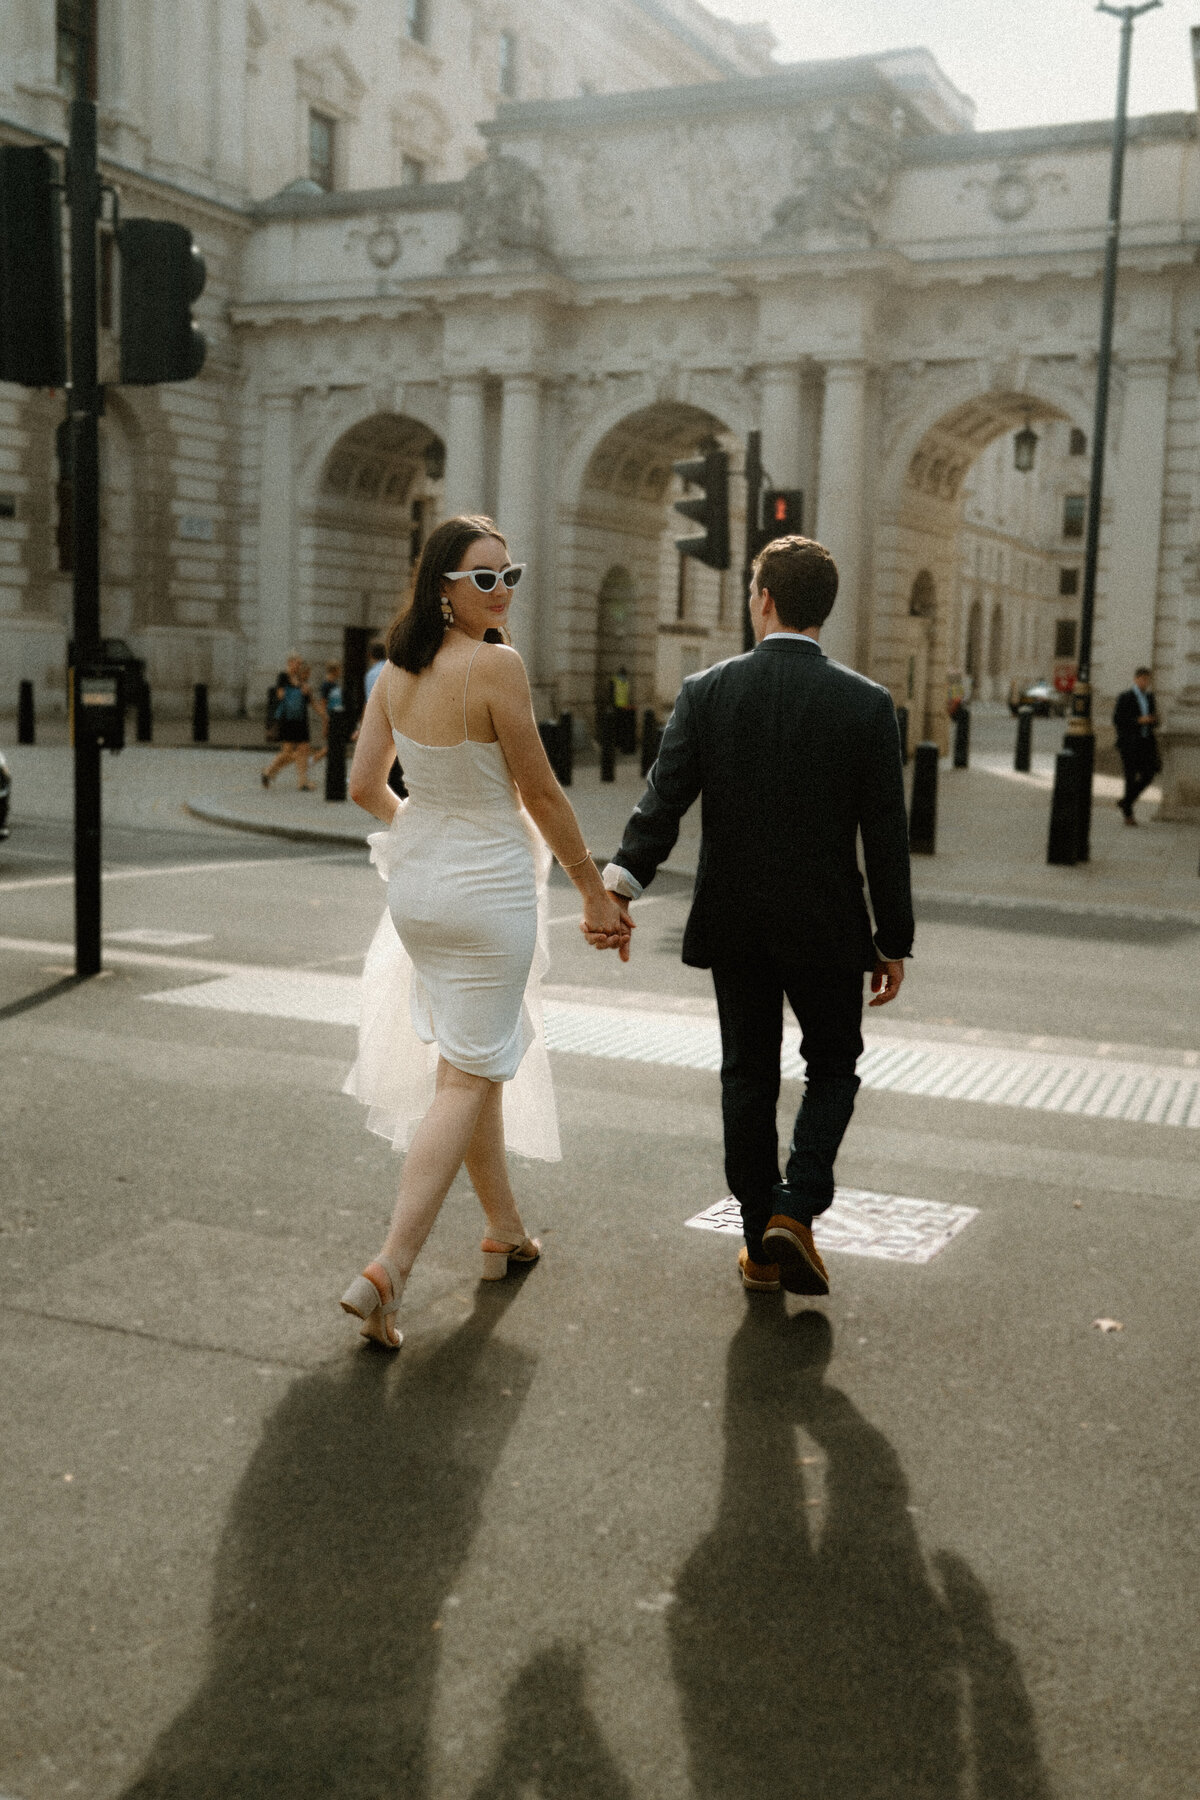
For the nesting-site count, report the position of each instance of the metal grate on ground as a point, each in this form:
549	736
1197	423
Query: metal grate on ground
860	1223
1093	1087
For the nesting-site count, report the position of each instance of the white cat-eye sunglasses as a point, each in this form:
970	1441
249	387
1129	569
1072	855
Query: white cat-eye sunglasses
486	579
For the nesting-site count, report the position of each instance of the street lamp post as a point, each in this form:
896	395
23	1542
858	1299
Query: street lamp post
1080	737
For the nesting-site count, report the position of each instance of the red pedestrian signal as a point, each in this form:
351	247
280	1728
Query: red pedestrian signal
783	513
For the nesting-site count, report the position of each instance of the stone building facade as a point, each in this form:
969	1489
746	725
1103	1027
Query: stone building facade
828	253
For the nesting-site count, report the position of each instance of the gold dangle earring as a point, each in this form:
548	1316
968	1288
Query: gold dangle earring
447	613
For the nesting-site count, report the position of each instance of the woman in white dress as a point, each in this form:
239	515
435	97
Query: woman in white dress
461	862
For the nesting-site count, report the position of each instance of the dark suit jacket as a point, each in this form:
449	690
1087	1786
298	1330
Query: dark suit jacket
1127	717
793	756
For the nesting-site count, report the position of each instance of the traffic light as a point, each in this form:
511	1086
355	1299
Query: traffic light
711	474
162	273
32	342
783	513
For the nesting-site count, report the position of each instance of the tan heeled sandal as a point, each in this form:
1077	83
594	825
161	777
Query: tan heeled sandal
364	1298
498	1253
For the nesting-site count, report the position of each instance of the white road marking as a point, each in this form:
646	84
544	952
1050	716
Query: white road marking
1044	1081
161	940
860	1223
141	874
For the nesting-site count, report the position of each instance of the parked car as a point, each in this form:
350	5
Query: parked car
5	795
1043	696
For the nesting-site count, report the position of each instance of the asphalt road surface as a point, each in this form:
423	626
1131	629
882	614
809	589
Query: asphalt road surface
614	1528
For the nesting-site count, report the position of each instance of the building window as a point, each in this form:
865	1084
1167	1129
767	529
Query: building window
1074	511
1065	631
416	20
322	134
1068	581
682	587
412	171
75	49
508	65
1078	441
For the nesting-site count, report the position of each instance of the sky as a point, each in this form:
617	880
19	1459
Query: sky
1023	62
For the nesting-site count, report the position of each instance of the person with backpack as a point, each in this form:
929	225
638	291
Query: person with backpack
292	699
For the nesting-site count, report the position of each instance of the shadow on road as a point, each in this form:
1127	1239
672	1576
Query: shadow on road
830	1667
552	1746
347	1533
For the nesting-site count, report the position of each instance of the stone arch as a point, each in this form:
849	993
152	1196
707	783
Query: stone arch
364	514
618	517
949	425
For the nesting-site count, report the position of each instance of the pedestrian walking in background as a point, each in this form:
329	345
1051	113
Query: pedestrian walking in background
329	700
1135	717
374	668
620	694
793	757
293	698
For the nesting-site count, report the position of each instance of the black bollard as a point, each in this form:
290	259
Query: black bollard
1063	846
608	744
26	727
200	713
922	810
902	728
145	715
335	755
566	748
1024	749
962	737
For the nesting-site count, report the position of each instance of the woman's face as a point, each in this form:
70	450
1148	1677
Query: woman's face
474	612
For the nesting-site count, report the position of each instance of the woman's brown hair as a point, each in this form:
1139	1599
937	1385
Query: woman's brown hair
415	635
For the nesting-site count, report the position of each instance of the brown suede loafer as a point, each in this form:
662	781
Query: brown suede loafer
798	1256
763	1278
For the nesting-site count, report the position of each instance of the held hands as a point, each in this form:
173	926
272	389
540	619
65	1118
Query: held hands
885	981
607	924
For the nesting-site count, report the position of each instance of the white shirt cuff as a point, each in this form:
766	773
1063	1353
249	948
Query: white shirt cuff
620	881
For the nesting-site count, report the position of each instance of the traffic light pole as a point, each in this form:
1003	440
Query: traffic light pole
83	200
754	482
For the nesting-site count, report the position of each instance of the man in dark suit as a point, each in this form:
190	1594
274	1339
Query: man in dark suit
1135	716
793	756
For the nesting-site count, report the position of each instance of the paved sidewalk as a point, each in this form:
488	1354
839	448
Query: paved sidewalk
991	844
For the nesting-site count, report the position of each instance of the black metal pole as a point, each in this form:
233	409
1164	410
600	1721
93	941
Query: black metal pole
83	200
1080	737
754	482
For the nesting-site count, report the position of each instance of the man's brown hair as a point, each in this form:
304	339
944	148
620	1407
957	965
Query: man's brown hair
801	578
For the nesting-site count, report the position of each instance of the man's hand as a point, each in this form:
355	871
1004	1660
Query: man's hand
607	940
885	981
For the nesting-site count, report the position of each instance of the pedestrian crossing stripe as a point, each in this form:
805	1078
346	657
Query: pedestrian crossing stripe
1075	1084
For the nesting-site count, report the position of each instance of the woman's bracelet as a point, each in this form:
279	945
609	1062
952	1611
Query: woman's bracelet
567	867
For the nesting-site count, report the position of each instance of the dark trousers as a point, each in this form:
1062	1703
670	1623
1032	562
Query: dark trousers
750	997
1140	762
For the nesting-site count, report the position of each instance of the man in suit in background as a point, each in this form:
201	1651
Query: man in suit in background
1135	716
793	756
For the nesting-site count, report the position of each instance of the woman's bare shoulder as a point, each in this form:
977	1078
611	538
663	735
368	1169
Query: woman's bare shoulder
501	664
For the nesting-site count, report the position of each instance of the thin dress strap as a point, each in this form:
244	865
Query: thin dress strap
466	685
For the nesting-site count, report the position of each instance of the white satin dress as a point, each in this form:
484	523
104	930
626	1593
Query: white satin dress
456	964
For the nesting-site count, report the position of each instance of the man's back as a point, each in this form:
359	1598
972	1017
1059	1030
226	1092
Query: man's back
792	756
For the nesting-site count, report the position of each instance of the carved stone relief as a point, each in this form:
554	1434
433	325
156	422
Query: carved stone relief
846	163
503	214
1014	190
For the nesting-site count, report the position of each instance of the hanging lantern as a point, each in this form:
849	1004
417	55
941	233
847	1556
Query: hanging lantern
1025	445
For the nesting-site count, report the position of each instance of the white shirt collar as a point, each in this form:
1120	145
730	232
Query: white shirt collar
791	636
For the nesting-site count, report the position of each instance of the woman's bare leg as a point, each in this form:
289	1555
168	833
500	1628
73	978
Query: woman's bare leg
487	1167
302	755
434	1159
281	761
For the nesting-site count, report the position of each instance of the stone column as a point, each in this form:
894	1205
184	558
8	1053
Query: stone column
1125	631
517	504
463	492
276	621
839	524
781	426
